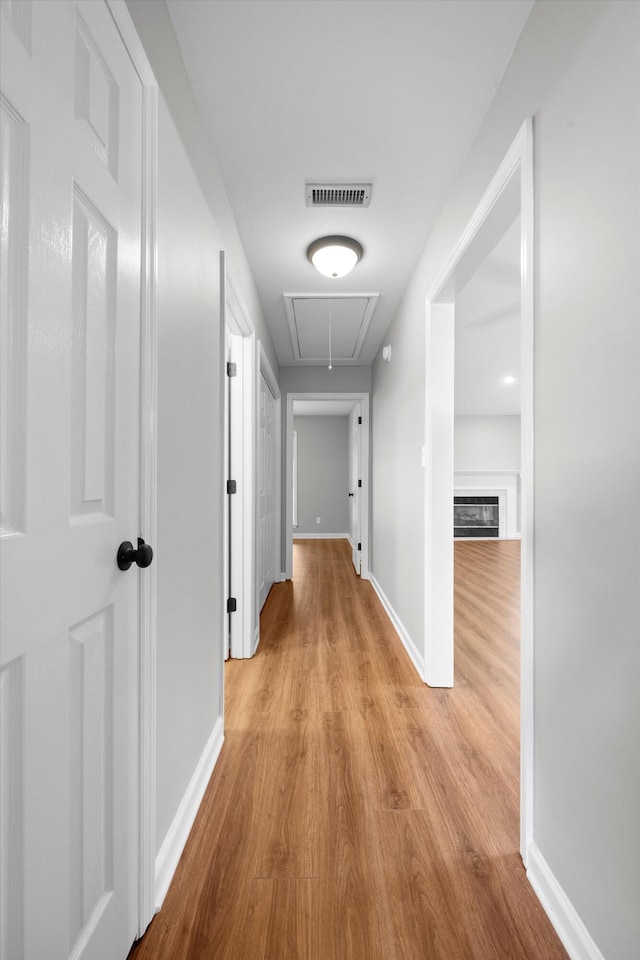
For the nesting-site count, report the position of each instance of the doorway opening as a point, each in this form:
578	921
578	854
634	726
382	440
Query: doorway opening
509	198
343	486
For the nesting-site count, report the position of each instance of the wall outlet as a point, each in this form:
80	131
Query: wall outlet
317	519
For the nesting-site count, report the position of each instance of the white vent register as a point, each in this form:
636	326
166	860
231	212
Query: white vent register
338	194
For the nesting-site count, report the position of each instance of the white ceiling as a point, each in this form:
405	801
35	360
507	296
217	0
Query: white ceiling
391	91
487	334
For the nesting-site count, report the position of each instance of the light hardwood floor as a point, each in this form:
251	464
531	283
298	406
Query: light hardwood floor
356	814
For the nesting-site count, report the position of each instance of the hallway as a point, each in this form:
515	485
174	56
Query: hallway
356	814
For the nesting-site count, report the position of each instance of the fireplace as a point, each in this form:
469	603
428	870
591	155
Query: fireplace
476	516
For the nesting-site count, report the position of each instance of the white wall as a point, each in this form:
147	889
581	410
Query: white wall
322	380
194	223
323	482
188	675
486	443
575	70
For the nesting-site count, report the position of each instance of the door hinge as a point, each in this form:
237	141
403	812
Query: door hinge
359	546
359	483
232	369
359	419
232	605
231	486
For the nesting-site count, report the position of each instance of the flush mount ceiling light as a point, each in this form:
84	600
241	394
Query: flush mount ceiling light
334	256
509	379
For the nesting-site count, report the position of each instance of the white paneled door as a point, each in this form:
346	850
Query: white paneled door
267	443
71	259
234	530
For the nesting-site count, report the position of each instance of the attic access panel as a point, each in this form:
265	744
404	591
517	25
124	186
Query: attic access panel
308	317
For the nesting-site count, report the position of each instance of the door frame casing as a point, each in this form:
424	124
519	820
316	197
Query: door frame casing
515	173
148	466
237	321
363	399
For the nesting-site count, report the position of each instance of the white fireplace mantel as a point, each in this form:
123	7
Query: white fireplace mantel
505	484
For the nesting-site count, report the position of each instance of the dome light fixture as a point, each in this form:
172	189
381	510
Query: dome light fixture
334	256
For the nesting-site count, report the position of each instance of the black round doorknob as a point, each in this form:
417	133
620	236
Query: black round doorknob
144	554
128	555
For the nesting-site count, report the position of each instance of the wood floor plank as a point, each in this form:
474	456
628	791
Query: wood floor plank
426	918
352	871
285	790
284	921
356	814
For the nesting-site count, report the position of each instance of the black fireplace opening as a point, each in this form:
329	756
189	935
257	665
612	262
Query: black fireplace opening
475	516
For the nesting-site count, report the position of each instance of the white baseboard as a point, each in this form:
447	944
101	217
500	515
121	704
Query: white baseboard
575	937
178	833
416	658
320	536
256	641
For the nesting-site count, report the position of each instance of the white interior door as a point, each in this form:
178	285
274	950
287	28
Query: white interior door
227	525
240	347
266	491
236	474
355	481
71	260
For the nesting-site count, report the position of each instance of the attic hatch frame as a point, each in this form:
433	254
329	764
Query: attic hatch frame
509	194
289	306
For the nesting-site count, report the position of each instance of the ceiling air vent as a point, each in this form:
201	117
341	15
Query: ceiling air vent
338	194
